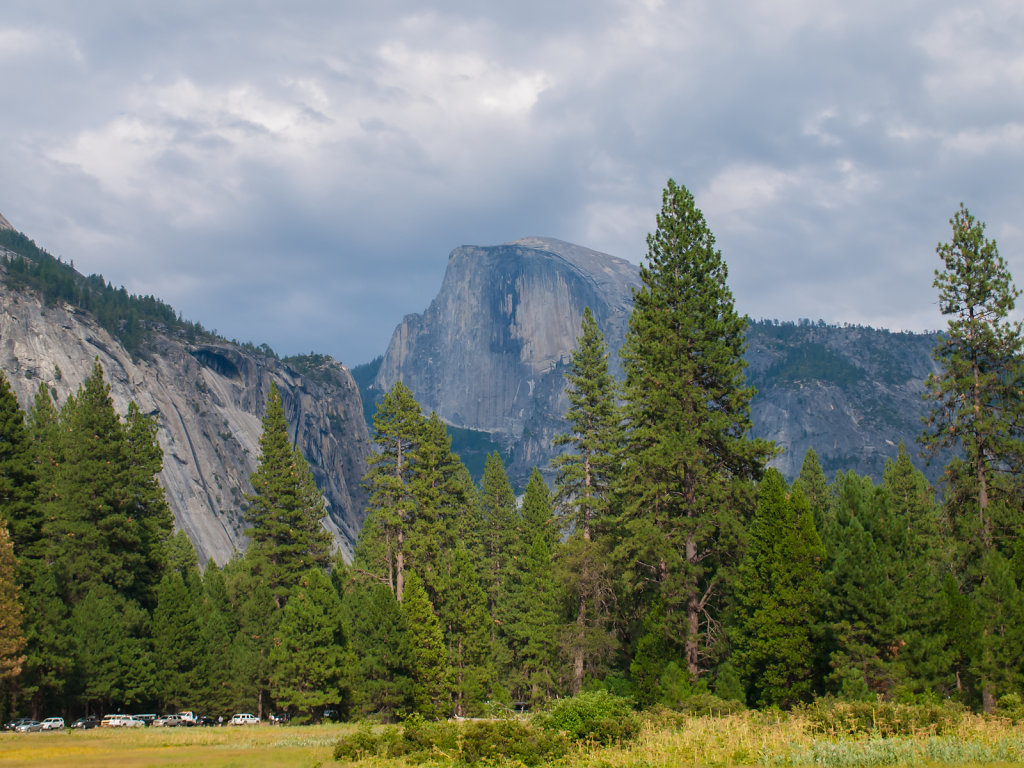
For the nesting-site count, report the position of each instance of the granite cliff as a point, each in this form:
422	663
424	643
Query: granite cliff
490	353
208	397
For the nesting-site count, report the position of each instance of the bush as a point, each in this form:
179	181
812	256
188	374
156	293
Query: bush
514	740
880	718
596	716
420	740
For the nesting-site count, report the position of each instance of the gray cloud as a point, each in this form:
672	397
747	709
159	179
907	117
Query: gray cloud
297	176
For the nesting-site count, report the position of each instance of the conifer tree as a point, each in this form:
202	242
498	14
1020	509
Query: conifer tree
467	629
444	497
921	656
534	629
977	408
12	636
96	540
431	676
584	482
380	672
777	596
688	460
398	431
177	642
999	607
219	626
18	488
531	598
812	483
308	655
497	543
285	509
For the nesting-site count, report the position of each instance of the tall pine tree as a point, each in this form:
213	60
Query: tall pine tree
285	509
688	460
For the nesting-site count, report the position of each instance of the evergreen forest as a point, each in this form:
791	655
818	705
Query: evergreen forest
668	566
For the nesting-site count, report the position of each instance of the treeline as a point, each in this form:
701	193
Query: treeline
127	317
668	564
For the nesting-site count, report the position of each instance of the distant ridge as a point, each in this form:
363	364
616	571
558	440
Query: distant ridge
4	223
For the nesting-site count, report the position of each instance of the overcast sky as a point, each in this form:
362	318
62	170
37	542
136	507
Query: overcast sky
297	173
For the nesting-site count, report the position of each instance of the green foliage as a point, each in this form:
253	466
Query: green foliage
881	718
813	361
128	318
777	596
12	637
285	509
431	676
380	669
498	742
307	659
593	716
688	459
977	408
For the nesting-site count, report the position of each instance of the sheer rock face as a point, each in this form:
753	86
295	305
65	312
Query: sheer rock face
490	352
208	399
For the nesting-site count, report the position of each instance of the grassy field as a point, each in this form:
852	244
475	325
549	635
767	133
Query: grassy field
749	739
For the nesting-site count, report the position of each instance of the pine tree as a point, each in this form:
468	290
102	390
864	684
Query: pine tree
999	606
146	505
531	599
977	408
218	626
467	629
688	461
497	543
308	655
861	591
18	487
431	675
380	673
398	431
177	642
921	655
777	596
444	495
584	482
285	509
12	636
96	540
812	483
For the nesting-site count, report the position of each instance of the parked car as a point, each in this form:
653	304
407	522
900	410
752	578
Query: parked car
147	719
244	718
13	724
28	726
168	721
86	723
121	721
53	724
205	721
188	717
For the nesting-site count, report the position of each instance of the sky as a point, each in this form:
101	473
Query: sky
297	173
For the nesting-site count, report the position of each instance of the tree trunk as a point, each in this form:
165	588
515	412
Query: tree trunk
577	661
692	616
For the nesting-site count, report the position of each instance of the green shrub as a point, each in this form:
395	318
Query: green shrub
362	743
513	740
596	716
880	718
419	740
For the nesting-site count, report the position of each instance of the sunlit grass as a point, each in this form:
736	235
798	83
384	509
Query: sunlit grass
739	741
257	746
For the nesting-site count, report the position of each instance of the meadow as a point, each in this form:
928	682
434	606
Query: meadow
665	740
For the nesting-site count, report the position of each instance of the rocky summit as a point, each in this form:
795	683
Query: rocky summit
490	353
